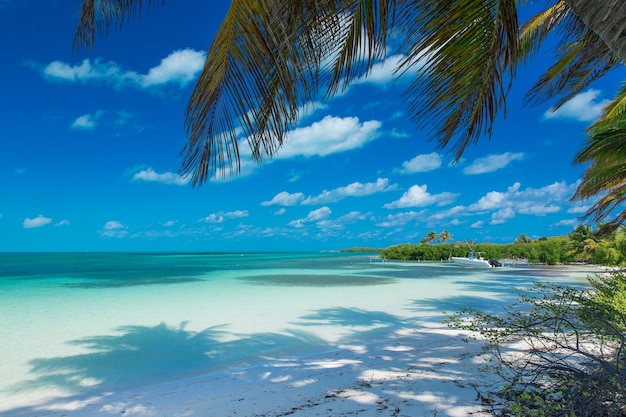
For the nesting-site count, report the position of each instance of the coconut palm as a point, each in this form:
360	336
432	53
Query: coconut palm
445	236
272	57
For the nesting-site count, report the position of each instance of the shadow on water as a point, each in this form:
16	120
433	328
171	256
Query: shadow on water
316	280
341	316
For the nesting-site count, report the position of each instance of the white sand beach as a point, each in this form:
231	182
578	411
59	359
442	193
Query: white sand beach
428	371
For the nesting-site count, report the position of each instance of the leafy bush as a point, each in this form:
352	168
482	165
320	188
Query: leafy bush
572	360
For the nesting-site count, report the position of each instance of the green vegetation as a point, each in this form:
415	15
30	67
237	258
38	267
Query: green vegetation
573	356
581	245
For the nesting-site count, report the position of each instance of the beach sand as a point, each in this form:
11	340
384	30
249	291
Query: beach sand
427	371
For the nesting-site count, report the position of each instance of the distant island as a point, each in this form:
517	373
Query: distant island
582	245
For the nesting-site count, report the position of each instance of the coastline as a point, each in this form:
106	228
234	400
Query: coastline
426	371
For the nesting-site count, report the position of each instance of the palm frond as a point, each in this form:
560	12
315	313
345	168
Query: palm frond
581	56
97	17
536	29
463	67
605	178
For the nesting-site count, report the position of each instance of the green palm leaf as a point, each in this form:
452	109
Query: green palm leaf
463	54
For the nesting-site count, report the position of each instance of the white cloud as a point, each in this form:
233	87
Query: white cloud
477	225
356	189
63	223
398	219
179	68
578	209
87	121
584	107
382	72
114	228
506	205
421	163
280	211
566	222
39	221
151	175
169	223
491	163
313	216
417	196
220	216
284	199
502	216
328	136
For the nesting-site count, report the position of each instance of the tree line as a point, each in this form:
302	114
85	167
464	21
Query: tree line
583	244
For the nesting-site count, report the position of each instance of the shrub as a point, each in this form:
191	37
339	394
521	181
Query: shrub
573	361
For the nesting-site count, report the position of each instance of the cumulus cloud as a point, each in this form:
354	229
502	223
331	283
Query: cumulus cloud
356	189
313	216
114	228
491	163
284	199
169	178
39	221
417	196
382	72
63	223
421	163
87	121
399	219
584	107
220	216
328	136
505	205
179	68
501	216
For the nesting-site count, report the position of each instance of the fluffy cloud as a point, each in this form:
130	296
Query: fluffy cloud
313	216
179	68
114	228
284	199
39	221
328	136
169	178
356	189
584	107
220	216
398	219
417	196
491	163
421	163
515	200
382	72
87	121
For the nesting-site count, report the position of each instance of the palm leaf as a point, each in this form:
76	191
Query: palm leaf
581	56
463	53
606	176
98	16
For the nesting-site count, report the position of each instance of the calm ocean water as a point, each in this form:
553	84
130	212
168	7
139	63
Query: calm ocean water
77	324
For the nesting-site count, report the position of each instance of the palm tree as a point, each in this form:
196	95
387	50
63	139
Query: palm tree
431	237
445	236
272	57
582	242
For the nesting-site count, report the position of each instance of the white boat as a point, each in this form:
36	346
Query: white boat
474	259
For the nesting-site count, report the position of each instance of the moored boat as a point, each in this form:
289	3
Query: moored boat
474	259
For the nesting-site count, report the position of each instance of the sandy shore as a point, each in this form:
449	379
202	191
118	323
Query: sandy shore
427	371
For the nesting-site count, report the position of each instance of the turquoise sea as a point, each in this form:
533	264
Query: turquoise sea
79	324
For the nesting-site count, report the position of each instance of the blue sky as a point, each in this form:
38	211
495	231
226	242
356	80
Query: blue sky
89	154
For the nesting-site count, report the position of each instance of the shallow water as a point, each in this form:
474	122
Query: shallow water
82	324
